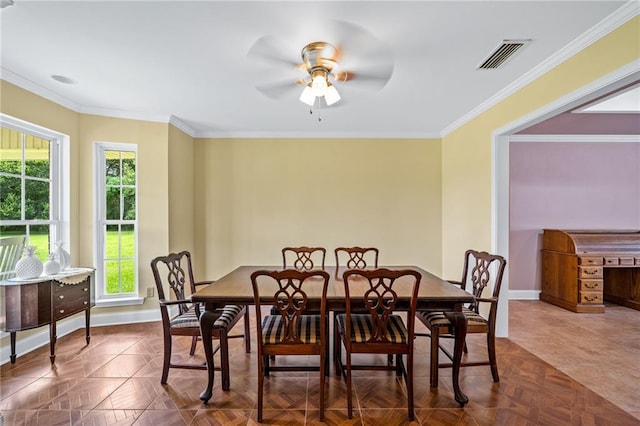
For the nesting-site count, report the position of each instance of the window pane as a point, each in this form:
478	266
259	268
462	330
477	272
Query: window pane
36	199
128	241
112	242
10	202
129	200
112	168
112	273
39	237
36	157
10	149
128	168
128	276
113	203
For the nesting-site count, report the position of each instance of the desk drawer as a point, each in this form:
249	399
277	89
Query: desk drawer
70	307
594	297
626	261
589	260
591	285
637	260
590	272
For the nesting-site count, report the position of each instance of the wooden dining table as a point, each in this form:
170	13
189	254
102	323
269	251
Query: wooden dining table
235	288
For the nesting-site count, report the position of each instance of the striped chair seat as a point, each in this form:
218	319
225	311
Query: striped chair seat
362	328
190	319
438	319
273	331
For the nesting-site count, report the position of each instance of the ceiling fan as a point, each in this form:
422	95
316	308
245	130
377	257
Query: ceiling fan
355	59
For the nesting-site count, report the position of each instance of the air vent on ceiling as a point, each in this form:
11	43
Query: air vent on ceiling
504	51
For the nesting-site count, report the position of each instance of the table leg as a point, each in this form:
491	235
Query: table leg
52	341
207	318
459	322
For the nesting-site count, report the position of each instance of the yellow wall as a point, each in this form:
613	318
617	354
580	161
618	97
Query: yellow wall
467	152
181	191
256	196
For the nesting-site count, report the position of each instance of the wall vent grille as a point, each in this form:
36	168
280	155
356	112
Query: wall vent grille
504	51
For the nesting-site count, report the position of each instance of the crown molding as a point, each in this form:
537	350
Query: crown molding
312	135
181	125
626	12
128	115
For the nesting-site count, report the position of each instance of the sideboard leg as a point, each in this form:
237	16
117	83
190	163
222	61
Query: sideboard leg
87	329
13	347
52	341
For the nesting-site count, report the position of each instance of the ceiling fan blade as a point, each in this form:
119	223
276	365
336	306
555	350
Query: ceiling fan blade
280	89
269	49
367	79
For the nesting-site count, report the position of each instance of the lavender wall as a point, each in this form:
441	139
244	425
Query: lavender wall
567	185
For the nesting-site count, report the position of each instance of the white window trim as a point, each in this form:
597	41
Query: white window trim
60	177
102	299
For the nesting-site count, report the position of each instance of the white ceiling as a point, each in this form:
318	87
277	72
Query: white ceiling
187	60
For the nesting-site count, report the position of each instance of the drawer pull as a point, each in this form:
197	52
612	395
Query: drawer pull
62	311
589	285
60	285
588	272
85	302
591	298
85	289
61	296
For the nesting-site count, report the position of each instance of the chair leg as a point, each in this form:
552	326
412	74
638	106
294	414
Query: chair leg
435	348
409	381
194	340
247	331
167	358
260	385
491	344
224	360
349	390
324	362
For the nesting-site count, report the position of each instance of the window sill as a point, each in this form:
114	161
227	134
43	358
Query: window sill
107	303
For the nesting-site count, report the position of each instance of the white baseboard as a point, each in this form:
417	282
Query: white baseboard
524	294
69	325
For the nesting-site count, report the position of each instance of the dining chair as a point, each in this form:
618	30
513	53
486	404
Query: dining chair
480	270
379	330
303	258
175	272
356	257
293	330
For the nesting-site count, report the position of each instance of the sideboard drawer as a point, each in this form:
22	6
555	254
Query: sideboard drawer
590	271
70	307
587	297
589	260
611	261
591	285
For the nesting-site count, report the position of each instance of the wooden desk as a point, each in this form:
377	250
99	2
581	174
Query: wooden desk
27	304
583	268
235	288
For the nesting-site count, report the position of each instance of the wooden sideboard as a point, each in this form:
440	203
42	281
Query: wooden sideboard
583	268
27	304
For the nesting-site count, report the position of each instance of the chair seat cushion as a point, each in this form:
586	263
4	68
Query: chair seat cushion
362	328
189	319
438	319
273	330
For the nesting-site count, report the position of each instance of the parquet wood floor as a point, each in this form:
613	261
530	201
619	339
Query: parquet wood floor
116	381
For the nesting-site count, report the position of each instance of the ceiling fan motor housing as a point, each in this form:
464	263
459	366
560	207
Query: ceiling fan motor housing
319	55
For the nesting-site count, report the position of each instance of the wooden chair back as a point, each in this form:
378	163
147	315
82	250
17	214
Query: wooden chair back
356	257
303	258
175	271
482	270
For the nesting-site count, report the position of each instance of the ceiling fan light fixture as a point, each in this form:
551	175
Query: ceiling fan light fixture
319	82
307	96
331	96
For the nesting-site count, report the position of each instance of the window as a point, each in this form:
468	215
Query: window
116	224
34	191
